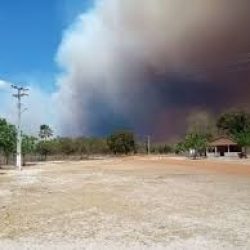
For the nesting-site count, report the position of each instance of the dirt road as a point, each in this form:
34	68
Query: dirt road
126	203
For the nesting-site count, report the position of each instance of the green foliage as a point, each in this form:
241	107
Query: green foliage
81	146
195	141
243	138
161	149
67	146
180	148
237	125
7	138
96	146
121	142
45	132
45	148
28	144
234	122
72	146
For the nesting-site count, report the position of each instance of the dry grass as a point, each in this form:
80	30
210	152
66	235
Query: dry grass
127	203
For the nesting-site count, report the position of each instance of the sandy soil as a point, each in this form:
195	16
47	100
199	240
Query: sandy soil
127	203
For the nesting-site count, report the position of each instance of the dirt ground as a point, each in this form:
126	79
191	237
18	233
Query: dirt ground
127	203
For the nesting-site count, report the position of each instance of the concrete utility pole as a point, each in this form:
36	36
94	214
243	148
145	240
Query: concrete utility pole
21	92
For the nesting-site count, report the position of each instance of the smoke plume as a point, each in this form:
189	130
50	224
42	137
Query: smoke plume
146	64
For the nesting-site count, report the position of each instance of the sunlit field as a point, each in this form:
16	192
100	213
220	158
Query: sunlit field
126	203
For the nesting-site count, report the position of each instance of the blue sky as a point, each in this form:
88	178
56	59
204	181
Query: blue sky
30	33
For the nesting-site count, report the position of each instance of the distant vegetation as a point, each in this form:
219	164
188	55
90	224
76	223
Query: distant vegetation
7	139
233	124
237	125
201	129
122	142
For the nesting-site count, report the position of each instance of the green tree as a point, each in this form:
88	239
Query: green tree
196	142
243	139
7	139
81	147
180	148
67	146
236	124
45	132
121	142
45	148
96	146
28	145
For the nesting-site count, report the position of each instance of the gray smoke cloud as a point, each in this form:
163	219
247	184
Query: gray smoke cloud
146	64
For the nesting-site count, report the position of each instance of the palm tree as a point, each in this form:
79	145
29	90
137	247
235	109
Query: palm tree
45	132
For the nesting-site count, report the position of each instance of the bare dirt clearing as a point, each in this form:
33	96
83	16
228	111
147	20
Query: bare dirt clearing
126	203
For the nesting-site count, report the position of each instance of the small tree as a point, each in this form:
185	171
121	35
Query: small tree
243	139
44	148
97	146
237	125
7	139
180	148
122	142
81	147
196	142
67	146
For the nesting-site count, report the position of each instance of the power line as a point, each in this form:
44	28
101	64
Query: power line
21	92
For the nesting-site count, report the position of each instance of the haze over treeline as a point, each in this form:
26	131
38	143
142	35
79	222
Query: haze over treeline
147	64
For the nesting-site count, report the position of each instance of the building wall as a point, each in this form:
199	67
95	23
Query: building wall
230	155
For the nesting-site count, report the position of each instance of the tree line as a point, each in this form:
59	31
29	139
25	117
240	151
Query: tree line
201	129
46	146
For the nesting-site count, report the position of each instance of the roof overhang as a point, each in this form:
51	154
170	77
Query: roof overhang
222	142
